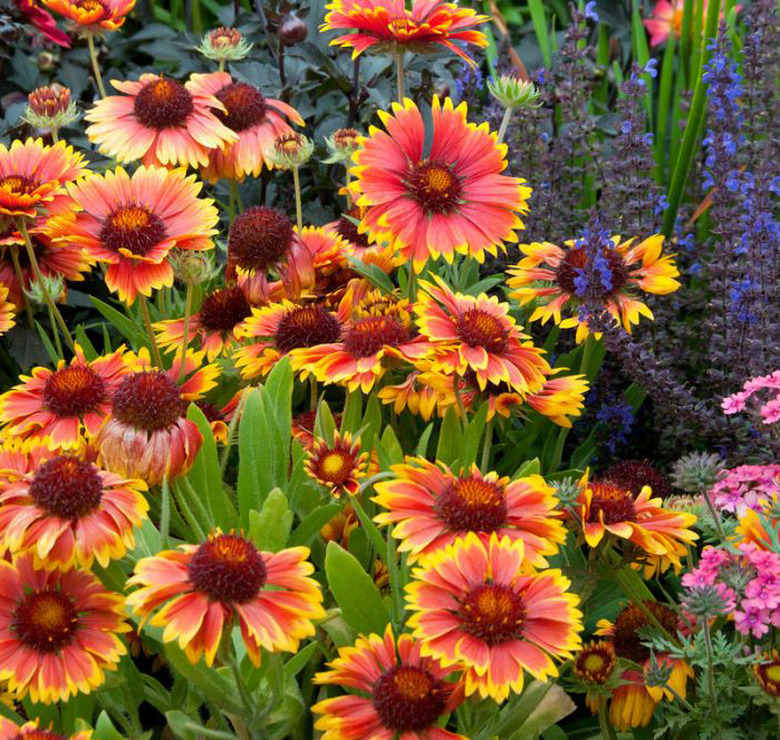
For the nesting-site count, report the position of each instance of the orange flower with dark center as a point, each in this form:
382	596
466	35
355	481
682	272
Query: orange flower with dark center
348	230
147	400
306	326
223	309
611	503
163	103
636	474
228	568
67	487
244	105
478	328
33	731
595	663
132	227
367	336
74	390
409	699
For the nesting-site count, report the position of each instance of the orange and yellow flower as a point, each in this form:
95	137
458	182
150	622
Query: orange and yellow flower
767	673
7	311
66	406
431	507
281	329
484	607
33	176
452	199
547	275
33	731
402	693
214	325
201	590
338	465
69	512
378	334
423	392
255	119
478	334
609	509
93	16
131	223
160	121
58	631
388	26
147	434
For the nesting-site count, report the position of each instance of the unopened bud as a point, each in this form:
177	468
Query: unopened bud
292	30
50	107
514	93
193	267
54	285
226	44
46	61
291	149
697	472
657	674
342	144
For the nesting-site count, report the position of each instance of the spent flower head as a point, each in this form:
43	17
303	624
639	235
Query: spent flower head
697	471
512	92
50	107
226	44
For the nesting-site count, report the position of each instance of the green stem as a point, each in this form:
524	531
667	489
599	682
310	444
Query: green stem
44	290
246	699
607	730
313	394
486	446
399	75
459	399
412	286
20	277
95	66
222	65
298	208
504	124
231	434
185	339
55	137
142	299
710	663
715	515
56	335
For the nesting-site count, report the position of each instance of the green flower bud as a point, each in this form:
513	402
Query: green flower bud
291	150
513	92
342	144
226	44
50	107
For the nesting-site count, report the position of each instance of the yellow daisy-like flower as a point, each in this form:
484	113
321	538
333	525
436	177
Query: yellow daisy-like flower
548	275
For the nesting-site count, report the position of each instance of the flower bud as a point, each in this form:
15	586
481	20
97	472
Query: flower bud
512	92
292	30
46	61
657	674
226	44
709	600
342	144
54	284
291	149
50	107
595	663
697	472
193	267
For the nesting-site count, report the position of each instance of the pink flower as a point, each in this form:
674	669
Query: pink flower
770	412
735	403
752	621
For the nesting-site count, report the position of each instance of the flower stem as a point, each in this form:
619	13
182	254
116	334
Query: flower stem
142	299
222	65
486	446
313	395
231	434
95	66
504	125
714	514
399	72
298	209
459	399
56	334
44	290
20	277
710	663
185	338
55	137
607	730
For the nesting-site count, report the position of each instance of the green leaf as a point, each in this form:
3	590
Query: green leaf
324	424
353	412
309	528
422	445
450	438
532	467
355	592
374	274
105	730
118	320
270	527
540	27
473	436
83	341
298	662
48	346
389	450
254	475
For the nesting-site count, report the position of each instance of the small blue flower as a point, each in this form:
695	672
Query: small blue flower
626	127
651	68
647	139
590	11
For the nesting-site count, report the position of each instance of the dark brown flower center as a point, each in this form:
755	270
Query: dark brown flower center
473	505
367	336
633	475
306	326
260	238
625	638
147	400
45	621
478	328
493	613
244	103
67	487
348	230
163	103
409	699
134	228
74	390
228	568
615	503
18	184
575	262
223	309
435	187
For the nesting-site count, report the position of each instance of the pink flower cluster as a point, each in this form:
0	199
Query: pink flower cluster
746	487
748	581
768	409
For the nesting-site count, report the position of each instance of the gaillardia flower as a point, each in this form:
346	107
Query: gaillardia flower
205	588
452	199
280	329
7	311
58	631
62	407
483	606
594	666
430	507
131	223
767	673
93	16
159	121
69	512
388	26
33	731
33	176
549	275
467	333
402	693
215	324
147	434
338	465
607	508
255	119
